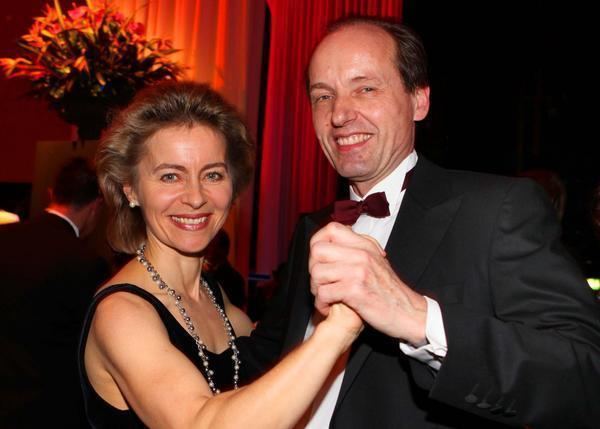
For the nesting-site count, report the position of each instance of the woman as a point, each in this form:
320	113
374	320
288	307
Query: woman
158	343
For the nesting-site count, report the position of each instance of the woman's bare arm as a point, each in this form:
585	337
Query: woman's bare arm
165	389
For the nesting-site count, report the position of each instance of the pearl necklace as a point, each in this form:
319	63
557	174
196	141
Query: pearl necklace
141	257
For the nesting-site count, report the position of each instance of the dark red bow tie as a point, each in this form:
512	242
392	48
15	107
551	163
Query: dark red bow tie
347	211
375	205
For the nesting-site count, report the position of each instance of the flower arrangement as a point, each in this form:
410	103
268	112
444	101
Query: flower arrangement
91	53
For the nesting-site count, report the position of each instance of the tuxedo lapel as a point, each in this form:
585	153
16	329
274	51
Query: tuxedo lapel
426	213
359	353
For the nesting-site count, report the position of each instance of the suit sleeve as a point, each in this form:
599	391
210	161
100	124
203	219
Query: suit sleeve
263	348
536	360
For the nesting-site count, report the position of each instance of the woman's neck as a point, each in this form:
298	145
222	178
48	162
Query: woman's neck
181	272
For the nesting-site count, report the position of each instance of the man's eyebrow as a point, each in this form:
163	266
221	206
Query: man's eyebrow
320	85
356	79
362	78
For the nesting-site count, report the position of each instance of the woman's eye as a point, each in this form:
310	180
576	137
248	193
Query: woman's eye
214	176
169	177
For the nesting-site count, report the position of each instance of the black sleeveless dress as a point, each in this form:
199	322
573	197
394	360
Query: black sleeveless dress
103	415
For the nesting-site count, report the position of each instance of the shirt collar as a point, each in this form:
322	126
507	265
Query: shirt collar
54	212
392	183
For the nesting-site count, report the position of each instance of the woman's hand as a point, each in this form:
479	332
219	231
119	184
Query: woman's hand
344	323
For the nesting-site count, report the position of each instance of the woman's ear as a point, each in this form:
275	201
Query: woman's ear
130	195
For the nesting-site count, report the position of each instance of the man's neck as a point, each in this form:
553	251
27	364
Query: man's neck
362	189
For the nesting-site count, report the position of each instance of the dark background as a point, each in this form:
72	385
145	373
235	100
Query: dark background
513	88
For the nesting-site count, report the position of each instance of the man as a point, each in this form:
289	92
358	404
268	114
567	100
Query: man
475	315
48	278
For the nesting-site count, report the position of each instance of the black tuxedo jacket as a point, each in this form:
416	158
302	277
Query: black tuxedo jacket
523	328
48	278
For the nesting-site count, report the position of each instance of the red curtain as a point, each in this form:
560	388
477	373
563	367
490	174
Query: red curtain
295	176
220	41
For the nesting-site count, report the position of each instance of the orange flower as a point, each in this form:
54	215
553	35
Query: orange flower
77	13
91	51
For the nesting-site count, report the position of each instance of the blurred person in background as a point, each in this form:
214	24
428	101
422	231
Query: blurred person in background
553	185
48	278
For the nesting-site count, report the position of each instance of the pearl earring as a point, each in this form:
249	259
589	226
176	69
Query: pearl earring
133	204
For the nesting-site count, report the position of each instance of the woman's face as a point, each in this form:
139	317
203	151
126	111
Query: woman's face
183	187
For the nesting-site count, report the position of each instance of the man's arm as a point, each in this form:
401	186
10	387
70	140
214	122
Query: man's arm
536	360
264	347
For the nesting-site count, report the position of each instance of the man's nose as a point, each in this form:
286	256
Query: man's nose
343	111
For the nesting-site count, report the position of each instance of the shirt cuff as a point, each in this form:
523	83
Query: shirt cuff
433	352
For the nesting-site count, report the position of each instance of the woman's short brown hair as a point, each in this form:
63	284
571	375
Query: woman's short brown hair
155	108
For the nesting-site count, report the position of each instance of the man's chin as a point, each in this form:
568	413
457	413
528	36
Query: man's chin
353	174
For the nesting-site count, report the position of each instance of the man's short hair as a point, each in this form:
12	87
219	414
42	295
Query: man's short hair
75	184
411	57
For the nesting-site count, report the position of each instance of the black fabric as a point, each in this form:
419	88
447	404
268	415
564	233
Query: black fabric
523	327
232	283
103	415
48	279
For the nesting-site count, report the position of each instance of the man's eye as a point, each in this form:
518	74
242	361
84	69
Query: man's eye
169	177
321	98
368	89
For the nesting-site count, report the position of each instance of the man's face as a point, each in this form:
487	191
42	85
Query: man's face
362	114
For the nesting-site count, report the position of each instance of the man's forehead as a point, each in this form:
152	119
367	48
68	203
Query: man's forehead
354	46
356	34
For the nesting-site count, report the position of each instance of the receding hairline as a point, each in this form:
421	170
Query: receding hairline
393	51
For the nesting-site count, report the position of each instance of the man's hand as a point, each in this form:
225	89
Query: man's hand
351	268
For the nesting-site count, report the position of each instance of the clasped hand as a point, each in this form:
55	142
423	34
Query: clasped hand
352	269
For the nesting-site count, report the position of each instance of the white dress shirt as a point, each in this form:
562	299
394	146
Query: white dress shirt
380	228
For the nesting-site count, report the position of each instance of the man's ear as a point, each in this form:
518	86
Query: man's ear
421	103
